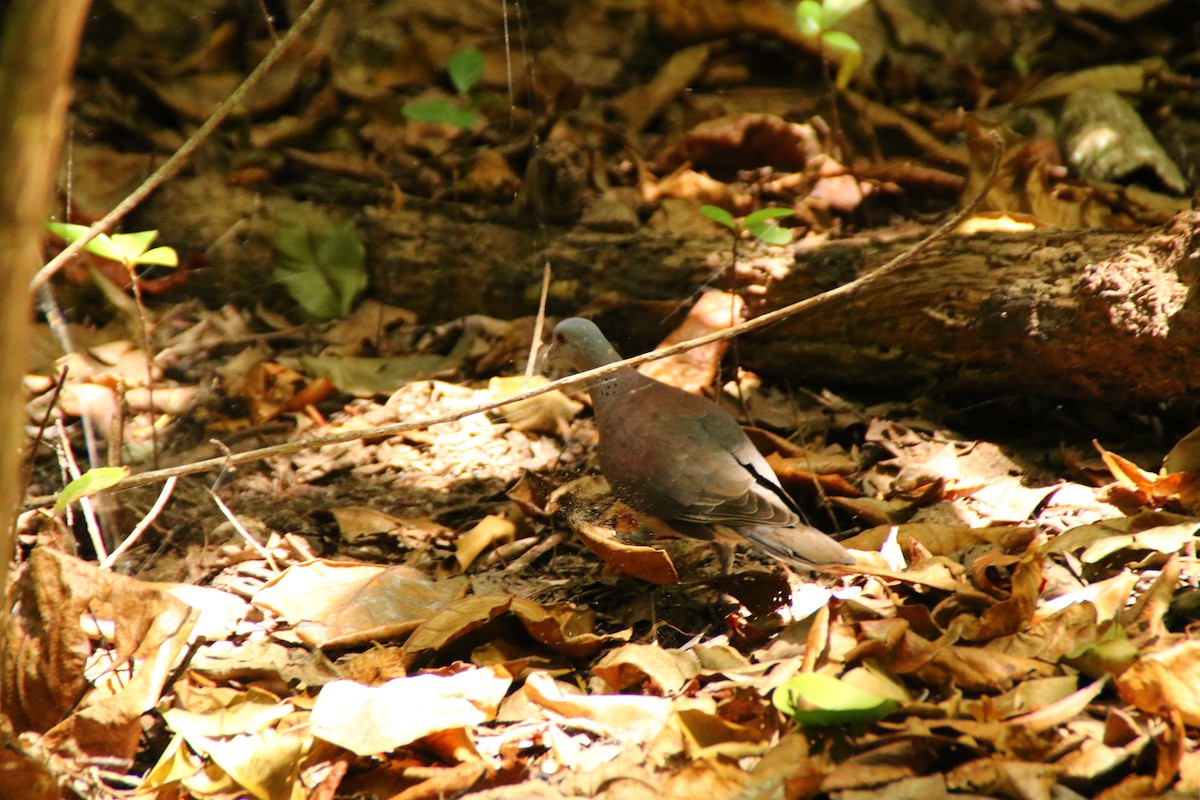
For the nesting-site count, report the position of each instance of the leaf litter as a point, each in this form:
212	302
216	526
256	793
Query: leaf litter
995	639
463	611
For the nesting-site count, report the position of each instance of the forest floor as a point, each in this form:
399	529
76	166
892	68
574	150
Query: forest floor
461	609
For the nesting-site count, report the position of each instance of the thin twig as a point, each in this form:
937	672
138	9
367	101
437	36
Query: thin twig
539	324
141	527
240	528
85	503
842	292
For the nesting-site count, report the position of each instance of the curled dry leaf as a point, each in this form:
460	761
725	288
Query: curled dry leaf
338	603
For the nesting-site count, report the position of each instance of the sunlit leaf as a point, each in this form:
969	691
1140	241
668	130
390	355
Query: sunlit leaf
836	9
719	216
465	68
90	482
133	245
102	245
814	699
810	18
764	214
160	257
769	231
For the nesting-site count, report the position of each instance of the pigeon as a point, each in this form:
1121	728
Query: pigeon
684	459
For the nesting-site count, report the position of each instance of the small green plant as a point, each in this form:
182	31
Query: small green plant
94	480
320	261
131	249
815	20
762	224
465	67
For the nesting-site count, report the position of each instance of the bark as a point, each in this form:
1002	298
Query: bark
1060	314
37	54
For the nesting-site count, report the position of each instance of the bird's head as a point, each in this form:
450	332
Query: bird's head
577	345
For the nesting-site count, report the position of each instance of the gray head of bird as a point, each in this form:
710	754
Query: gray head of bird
577	345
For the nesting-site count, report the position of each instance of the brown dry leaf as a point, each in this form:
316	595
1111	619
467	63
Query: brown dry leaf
650	564
696	370
1005	777
264	763
87	654
1148	530
1109	77
646	669
1184	456
566	629
268	388
743	141
1011	615
338	603
26	776
365	326
355	522
576	501
1108	598
936	538
1164	682
547	413
1128	474
224	711
708	778
492	529
364	719
635	719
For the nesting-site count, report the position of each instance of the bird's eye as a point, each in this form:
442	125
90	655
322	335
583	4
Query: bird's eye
560	338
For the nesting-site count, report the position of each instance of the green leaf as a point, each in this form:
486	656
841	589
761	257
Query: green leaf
813	699
810	18
160	257
1110	654
132	245
465	68
719	216
320	261
439	109
765	214
851	52
1021	64
67	230
764	226
101	245
770	233
90	482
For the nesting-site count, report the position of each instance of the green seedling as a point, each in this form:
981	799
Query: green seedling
133	250
130	249
89	483
465	67
815	20
320	261
762	224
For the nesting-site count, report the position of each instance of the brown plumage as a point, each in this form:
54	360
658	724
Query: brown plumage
682	458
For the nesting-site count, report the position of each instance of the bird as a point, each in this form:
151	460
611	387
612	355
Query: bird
682	458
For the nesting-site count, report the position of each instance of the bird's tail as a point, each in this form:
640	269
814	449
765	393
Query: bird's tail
799	546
